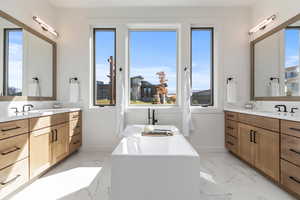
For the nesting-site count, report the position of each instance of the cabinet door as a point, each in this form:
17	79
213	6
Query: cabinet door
60	142
245	146
267	152
40	151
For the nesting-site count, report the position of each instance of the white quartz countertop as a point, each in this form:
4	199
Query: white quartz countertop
35	113
271	114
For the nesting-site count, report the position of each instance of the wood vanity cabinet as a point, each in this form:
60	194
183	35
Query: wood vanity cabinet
258	146
13	155
47	145
270	145
75	131
60	142
54	140
40	151
231	132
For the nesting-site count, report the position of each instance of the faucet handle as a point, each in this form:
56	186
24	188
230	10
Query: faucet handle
278	108
293	108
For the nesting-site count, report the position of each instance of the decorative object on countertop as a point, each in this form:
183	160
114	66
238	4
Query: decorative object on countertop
74	90
231	88
250	105
187	123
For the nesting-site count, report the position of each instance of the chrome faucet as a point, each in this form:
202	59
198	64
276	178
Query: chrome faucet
27	105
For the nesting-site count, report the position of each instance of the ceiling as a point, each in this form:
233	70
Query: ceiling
144	3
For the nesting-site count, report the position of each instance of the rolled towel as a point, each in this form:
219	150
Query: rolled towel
231	92
74	92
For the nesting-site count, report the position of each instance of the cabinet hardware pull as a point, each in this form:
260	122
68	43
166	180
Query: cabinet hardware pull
10	129
52	136
228	142
295	129
11	180
294	179
230	115
254	138
229	127
75	116
55	134
251	137
295	151
10	151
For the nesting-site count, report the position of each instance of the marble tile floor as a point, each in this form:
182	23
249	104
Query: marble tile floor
86	176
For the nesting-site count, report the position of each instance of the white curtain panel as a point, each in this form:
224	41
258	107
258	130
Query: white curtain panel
187	124
120	106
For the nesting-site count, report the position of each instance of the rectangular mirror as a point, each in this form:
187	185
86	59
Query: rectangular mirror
27	62
275	63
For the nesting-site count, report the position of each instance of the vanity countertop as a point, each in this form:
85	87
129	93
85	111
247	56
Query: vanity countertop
35	113
271	114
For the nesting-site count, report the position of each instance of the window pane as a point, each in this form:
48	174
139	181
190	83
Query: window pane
202	67
292	53
104	66
153	67
14	65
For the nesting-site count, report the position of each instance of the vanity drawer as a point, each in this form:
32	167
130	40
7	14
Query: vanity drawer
290	149
13	149
290	176
75	142
13	177
12	128
231	143
259	121
74	127
231	115
74	115
290	128
43	122
231	128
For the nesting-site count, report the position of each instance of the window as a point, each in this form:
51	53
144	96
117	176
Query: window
104	67
153	66
202	66
13	62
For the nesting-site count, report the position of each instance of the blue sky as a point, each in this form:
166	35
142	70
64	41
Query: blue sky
292	42
15	53
154	51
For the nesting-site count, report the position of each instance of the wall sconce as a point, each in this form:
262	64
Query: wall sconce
45	26
262	25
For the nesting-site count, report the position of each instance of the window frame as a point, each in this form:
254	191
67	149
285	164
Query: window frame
212	30
6	57
94	66
154	29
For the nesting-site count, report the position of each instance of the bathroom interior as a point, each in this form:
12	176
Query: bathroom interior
149	100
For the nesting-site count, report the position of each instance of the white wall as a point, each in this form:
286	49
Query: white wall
23	11
232	58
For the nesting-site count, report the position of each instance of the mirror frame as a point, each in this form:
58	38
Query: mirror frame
252	57
54	60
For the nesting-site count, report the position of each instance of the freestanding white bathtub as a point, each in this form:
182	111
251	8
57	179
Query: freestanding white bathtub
155	168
